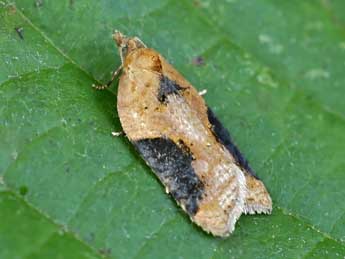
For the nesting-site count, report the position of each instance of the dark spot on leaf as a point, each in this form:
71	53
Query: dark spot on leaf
23	190
105	251
198	61
197	3
19	31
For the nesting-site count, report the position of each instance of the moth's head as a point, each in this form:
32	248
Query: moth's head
126	44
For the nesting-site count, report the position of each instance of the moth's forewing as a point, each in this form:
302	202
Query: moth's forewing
186	146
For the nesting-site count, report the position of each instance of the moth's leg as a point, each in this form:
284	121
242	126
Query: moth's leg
102	87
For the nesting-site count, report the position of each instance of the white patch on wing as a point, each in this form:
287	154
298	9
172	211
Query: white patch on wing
234	193
184	117
239	200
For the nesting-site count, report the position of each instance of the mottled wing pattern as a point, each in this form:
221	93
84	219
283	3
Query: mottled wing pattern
257	200
172	163
186	145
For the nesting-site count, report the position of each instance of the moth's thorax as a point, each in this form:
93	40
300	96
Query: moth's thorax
143	58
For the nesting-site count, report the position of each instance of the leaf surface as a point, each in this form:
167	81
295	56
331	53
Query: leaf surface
274	74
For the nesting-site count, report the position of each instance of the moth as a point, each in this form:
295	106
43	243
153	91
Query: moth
183	142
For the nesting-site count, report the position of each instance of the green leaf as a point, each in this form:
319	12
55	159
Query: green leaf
274	71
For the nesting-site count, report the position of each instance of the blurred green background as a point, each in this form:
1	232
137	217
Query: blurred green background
275	75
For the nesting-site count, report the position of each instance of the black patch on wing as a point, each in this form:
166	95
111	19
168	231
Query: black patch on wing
166	87
223	136
172	164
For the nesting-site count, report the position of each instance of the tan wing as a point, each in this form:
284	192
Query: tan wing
178	123
258	199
